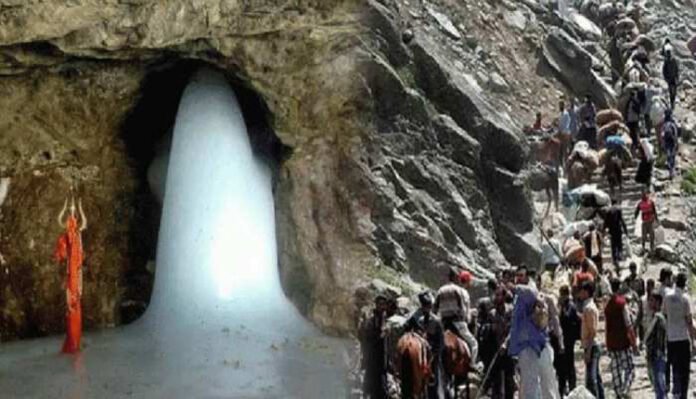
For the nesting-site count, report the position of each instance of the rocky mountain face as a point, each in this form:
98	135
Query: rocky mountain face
396	128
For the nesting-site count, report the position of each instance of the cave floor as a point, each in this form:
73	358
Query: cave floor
218	362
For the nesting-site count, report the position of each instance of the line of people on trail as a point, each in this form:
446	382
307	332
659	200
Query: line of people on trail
614	138
522	338
561	146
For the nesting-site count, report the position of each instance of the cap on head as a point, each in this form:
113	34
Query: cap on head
465	277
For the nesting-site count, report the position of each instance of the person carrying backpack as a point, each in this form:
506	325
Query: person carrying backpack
670	141
670	71
529	341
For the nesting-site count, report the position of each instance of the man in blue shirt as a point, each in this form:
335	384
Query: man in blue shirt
530	343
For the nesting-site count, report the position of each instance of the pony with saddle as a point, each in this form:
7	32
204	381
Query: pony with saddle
412	365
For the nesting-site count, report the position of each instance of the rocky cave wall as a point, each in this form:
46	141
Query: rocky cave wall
399	164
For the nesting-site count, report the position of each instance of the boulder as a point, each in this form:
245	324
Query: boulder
587	29
674	224
382	288
459	95
445	23
516	19
666	253
573	66
520	248
498	84
580	393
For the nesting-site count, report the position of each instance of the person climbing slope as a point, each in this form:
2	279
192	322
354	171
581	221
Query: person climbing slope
615	223
620	340
588	337
646	207
670	71
592	241
588	124
670	141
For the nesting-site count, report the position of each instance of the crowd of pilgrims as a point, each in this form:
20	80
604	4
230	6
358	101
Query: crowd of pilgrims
522	338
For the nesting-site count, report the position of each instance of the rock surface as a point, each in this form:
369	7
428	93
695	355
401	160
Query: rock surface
574	66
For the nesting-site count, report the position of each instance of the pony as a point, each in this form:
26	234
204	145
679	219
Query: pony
613	170
457	361
413	365
578	174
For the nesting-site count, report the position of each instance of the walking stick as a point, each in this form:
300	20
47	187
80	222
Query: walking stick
560	256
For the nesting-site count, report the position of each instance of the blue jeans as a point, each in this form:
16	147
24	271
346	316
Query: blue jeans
593	379
657	368
671	151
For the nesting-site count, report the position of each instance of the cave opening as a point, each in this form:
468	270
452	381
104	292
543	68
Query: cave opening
146	133
218	323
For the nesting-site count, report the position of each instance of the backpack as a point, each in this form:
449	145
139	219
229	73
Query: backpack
670	132
540	314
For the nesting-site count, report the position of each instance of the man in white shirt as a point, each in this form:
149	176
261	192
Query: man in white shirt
680	331
453	305
565	134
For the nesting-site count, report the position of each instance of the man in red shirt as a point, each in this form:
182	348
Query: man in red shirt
620	341
646	207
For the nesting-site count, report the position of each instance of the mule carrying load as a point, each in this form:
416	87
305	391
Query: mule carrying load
582	162
610	122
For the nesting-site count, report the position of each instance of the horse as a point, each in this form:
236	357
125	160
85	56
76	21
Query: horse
413	365
544	178
457	361
613	170
578	174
